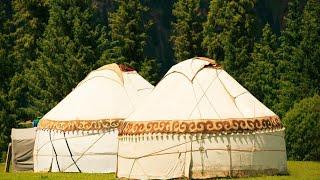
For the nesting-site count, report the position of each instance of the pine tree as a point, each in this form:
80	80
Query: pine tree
310	45
3	139
230	33
21	24
187	29
72	44
5	13
25	27
128	32
7	121
261	79
292	81
29	21
6	69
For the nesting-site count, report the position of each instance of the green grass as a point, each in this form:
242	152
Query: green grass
297	170
32	175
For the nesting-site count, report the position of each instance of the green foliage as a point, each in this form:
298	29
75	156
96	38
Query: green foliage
71	45
3	133
302	80
8	120
288	64
3	156
6	69
230	33
29	21
5	13
187	29
310	44
261	77
128	32
149	70
22	24
297	66
302	125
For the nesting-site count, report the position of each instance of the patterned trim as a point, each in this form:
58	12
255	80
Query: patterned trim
209	126
79	125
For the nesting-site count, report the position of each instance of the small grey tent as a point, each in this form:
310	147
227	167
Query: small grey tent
22	148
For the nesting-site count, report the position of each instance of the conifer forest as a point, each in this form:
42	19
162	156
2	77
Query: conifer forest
271	47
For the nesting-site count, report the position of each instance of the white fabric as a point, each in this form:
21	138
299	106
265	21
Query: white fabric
23	133
103	94
22	148
174	156
205	94
191	91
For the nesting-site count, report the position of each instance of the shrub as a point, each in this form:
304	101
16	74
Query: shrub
302	125
3	156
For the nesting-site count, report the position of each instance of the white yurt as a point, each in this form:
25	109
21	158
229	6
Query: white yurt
80	133
199	122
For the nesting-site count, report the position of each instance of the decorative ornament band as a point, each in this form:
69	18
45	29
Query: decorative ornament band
79	125
201	126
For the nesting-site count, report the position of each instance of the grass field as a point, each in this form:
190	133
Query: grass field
297	170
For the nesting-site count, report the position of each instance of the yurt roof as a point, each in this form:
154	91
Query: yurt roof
106	96
198	96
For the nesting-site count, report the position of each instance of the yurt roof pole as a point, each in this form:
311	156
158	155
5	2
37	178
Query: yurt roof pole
55	152
204	95
71	155
84	152
100	76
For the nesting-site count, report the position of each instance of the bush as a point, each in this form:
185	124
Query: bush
302	125
3	156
